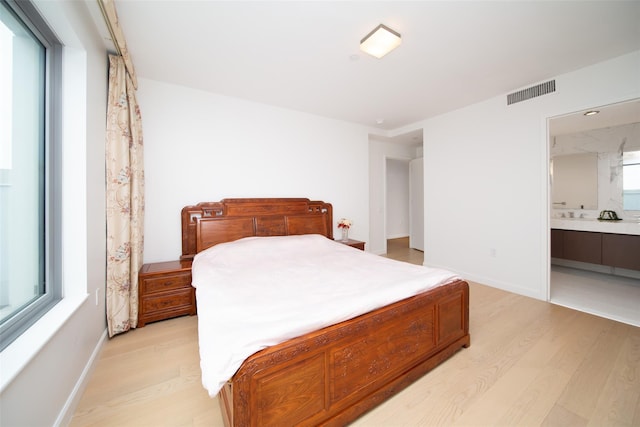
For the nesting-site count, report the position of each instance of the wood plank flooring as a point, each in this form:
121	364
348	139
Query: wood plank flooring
530	363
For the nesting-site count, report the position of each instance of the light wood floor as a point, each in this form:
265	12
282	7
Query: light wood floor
531	363
399	249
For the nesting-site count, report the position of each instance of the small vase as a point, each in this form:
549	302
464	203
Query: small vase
345	234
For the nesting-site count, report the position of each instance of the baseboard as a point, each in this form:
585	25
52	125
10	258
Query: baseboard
596	268
69	408
487	281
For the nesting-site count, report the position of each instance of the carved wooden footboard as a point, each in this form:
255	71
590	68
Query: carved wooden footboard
334	375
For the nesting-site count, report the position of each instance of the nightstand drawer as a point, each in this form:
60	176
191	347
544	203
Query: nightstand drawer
173	301
165	283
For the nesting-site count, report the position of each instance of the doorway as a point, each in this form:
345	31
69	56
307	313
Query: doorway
397	188
404	203
589	286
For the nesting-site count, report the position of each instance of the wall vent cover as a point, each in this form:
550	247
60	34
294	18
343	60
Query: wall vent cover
531	92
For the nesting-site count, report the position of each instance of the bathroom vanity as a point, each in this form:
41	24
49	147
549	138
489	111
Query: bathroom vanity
613	244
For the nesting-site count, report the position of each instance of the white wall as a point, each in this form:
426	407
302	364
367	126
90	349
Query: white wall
379	152
486	178
397	218
205	147
43	369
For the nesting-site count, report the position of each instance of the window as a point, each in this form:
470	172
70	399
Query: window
30	169
631	180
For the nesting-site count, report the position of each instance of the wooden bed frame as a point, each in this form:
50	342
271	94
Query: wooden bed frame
333	375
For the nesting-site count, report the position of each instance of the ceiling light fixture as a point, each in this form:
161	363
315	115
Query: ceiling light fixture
380	41
591	113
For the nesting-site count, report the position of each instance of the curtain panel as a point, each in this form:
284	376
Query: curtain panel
125	199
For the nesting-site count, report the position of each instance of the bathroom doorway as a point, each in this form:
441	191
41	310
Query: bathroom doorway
592	285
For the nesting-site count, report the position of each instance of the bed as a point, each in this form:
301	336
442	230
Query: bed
324	373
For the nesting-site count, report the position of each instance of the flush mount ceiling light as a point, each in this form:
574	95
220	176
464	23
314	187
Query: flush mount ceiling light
591	113
380	41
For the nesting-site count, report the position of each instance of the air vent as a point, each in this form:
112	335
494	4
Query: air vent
532	92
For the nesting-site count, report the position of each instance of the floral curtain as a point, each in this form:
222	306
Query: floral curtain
110	15
125	199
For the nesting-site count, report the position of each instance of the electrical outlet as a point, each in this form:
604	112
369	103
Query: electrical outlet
97	296
492	252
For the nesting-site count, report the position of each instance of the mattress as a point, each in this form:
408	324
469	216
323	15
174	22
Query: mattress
260	291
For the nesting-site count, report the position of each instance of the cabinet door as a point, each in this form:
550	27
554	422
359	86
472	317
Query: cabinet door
582	246
557	246
621	250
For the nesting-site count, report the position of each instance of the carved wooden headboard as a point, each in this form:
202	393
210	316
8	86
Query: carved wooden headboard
209	223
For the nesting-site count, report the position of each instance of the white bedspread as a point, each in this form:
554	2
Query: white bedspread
260	291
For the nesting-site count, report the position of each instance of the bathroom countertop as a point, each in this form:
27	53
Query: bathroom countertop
592	224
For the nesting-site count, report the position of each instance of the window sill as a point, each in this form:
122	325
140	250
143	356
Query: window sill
19	353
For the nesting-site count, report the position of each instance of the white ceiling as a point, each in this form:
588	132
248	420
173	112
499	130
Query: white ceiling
304	55
608	115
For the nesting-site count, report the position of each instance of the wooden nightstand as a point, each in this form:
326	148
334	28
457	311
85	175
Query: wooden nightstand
353	243
165	291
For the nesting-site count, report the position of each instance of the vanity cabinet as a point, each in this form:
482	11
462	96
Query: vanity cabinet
557	243
583	246
614	250
621	250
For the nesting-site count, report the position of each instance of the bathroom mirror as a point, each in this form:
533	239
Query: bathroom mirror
609	134
575	181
